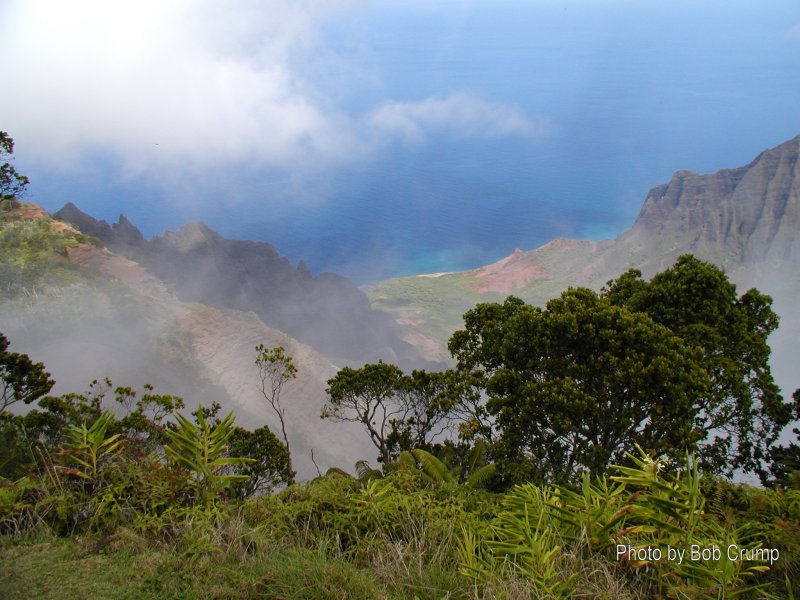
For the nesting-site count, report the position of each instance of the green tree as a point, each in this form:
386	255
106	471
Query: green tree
275	370
145	419
370	396
424	401
269	466
784	468
742	410
21	379
12	184
400	412
573	386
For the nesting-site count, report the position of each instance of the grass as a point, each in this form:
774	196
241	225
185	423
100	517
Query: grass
62	568
336	538
70	568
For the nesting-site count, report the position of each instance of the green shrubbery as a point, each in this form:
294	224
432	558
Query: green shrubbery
416	536
33	257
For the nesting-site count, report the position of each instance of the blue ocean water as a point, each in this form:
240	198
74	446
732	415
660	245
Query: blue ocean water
621	95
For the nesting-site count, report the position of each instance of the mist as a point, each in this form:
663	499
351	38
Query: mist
105	329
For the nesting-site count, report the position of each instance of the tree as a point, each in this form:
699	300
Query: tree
784	467
370	396
400	412
424	401
22	380
145	419
574	386
276	369
269	466
12	184
742	409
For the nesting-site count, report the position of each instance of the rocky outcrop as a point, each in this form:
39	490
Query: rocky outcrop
735	217
121	237
745	220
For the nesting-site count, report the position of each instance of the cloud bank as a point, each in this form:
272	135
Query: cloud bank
194	83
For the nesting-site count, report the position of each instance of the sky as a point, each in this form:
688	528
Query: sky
378	139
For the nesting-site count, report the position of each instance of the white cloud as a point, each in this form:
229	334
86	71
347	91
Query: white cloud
196	82
460	114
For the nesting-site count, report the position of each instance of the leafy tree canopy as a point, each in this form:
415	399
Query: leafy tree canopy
573	386
742	409
399	411
12	184
21	380
675	364
369	396
268	465
784	469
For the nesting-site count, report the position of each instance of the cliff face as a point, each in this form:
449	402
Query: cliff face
735	217
328	312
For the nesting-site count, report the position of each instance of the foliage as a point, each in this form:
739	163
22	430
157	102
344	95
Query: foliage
202	450
16	459
426	401
742	410
399	411
195	507
22	380
31	257
784	468
628	520
369	396
145	418
435	473
677	364
276	369
576	384
522	544
12	184
669	512
47	425
268	463
89	446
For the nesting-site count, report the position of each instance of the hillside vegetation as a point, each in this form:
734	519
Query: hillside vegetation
144	507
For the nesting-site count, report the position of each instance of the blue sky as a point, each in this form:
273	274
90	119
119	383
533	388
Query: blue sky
386	138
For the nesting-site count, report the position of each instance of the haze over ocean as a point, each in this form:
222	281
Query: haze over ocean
390	138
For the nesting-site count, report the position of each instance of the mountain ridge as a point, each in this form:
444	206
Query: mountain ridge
326	311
